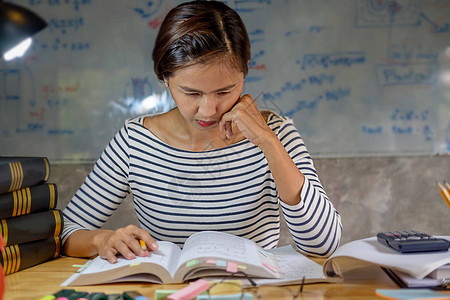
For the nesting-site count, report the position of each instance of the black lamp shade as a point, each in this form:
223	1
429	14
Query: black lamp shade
16	24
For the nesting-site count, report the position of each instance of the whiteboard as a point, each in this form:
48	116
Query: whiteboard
358	77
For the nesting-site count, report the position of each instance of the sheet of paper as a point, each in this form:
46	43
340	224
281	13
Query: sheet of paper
294	266
370	250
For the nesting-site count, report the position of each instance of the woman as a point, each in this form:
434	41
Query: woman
215	162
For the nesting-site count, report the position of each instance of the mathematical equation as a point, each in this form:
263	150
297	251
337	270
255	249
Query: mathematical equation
361	63
404	122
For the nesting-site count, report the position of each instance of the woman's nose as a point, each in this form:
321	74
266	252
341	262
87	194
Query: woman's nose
207	107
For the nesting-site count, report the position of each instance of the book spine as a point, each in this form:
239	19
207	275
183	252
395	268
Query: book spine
19	172
28	200
21	256
31	227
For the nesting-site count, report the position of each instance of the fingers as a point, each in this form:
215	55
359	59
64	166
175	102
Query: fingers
228	129
245	118
229	119
110	255
127	242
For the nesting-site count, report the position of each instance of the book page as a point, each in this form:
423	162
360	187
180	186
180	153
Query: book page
371	251
220	245
294	266
166	256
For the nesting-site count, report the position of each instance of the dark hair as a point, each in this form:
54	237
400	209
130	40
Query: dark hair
198	32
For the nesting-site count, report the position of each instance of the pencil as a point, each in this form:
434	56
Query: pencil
445	193
143	245
447	185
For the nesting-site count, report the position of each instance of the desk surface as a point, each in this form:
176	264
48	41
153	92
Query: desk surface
45	279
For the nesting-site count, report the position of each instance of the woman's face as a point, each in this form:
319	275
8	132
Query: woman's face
204	93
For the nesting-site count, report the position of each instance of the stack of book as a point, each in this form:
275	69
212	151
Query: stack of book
29	223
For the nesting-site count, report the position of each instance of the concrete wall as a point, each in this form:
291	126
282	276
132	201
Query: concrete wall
371	194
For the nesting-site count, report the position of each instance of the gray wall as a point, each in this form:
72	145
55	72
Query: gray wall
372	194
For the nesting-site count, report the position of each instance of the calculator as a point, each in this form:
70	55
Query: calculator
410	241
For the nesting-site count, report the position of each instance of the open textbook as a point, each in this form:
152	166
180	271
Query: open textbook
215	254
204	254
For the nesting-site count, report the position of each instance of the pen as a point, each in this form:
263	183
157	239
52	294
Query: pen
445	193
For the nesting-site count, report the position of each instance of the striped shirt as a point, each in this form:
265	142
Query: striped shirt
177	192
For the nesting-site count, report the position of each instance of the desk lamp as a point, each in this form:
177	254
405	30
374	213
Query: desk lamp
17	25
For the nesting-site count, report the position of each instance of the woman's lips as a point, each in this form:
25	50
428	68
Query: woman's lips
206	123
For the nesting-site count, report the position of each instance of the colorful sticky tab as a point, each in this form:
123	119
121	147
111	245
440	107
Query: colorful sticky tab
221	263
232	267
265	253
211	261
272	268
242	267
191	263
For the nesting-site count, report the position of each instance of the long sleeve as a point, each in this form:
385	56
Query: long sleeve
103	190
314	223
177	192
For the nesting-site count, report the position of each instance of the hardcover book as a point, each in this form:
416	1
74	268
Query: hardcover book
19	172
31	227
21	256
28	200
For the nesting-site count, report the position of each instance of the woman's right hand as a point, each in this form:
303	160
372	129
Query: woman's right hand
124	241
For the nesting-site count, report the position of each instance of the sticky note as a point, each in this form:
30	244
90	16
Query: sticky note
211	261
191	263
221	263
242	267
190	291
273	268
232	267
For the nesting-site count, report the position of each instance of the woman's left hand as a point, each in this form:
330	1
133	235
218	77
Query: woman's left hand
246	118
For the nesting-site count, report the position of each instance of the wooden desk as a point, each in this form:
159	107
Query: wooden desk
45	279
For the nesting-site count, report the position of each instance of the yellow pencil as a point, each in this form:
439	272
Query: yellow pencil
447	185
445	192
143	245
